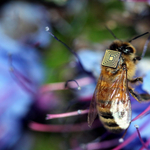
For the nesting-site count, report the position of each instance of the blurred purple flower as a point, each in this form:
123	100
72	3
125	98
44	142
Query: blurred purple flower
21	27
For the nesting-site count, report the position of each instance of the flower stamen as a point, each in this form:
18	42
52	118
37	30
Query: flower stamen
144	145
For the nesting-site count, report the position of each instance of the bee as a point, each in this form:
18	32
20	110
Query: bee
111	100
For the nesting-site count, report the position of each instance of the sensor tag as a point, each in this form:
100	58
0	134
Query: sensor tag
111	58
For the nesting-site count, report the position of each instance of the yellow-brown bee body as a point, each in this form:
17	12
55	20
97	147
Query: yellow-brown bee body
111	97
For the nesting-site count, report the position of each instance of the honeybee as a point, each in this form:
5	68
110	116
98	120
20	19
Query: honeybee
111	100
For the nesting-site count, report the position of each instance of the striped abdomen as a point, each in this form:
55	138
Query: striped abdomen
113	106
108	120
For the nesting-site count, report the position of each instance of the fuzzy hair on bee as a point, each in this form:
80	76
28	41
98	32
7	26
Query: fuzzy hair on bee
111	100
128	56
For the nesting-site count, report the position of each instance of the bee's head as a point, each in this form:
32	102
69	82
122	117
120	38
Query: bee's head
124	47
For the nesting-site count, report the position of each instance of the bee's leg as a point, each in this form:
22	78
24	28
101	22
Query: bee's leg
116	71
135	95
135	59
145	97
136	80
139	97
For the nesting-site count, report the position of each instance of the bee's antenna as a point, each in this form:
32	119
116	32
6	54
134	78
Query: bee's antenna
111	32
145	47
138	37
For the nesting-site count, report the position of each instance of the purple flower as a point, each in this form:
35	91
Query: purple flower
21	70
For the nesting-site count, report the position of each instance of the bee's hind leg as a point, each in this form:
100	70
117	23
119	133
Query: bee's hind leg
139	97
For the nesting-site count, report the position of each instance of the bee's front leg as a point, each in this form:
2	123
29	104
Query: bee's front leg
137	58
136	80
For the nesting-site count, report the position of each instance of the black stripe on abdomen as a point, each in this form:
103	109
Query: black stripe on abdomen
114	129
108	120
110	124
106	115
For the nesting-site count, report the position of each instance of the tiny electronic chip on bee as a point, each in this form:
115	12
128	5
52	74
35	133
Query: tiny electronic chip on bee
111	58
111	100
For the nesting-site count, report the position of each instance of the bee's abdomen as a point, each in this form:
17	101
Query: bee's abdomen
107	119
110	124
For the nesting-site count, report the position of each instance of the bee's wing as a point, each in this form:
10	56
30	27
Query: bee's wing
121	106
92	110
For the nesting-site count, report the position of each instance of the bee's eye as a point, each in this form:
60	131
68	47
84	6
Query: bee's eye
127	50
